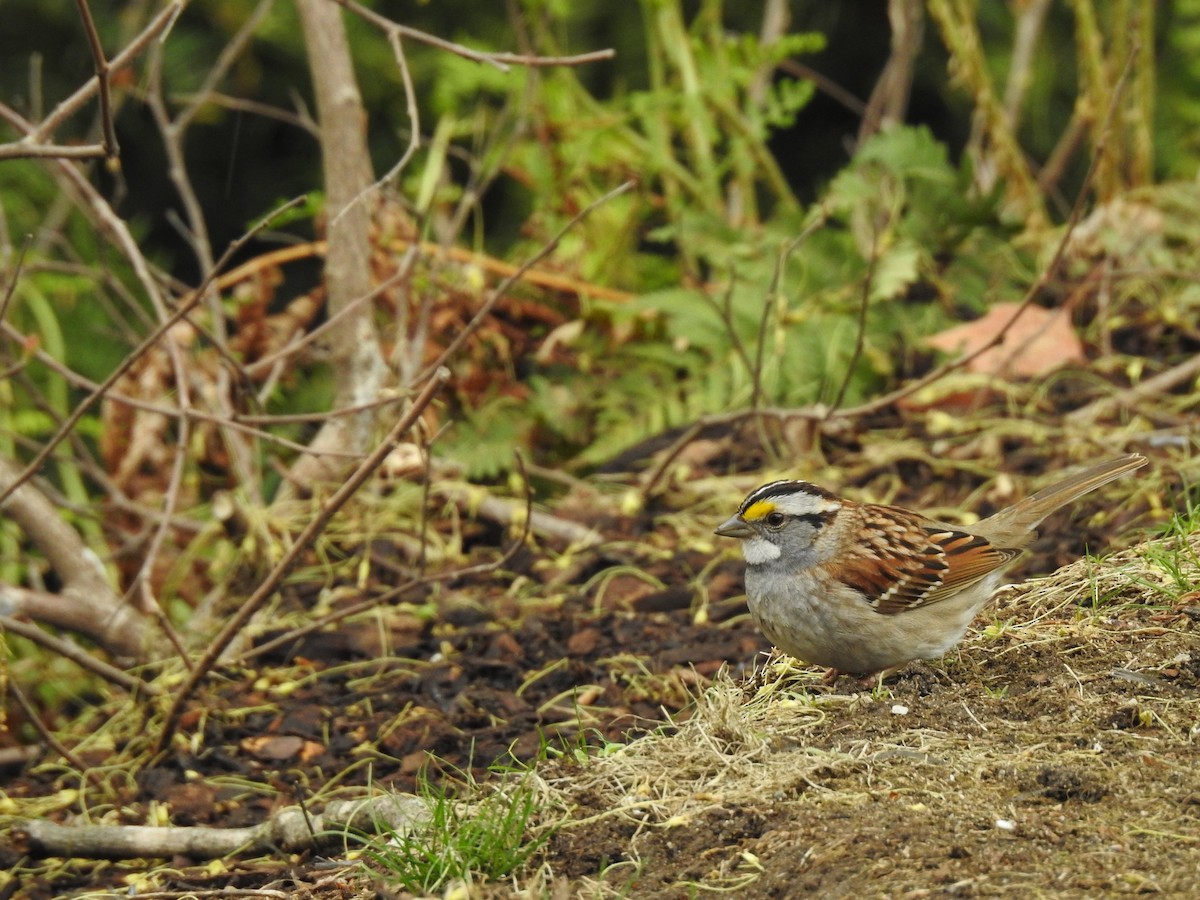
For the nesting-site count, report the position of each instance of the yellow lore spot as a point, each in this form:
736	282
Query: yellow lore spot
759	510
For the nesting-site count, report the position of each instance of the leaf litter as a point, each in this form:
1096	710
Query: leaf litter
1052	753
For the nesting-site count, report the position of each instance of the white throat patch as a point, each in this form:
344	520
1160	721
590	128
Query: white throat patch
759	550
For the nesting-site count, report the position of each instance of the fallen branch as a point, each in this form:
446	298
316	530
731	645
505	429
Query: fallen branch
1131	398
290	830
509	512
85	603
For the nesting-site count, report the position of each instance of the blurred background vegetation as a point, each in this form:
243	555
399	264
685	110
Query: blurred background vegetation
737	145
785	243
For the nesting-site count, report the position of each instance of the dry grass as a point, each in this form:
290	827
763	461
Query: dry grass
1052	755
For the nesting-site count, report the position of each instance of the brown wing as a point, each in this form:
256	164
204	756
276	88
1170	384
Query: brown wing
906	561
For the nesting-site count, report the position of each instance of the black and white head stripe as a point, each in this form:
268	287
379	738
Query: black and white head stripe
797	499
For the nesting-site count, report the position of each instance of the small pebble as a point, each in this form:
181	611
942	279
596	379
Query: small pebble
899	710
1006	824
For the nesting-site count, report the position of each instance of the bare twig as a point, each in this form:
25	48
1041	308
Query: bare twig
140	584
500	61
863	306
16	275
34	143
127	363
824	84
724	312
54	743
77	655
271	583
229	55
51	151
109	144
508	512
1048	274
336	319
1065	147
411	585
1030	18
478	319
257	108
1133	397
775	296
890	96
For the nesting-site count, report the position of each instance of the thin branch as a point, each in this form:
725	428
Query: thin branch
225	60
126	364
863	306
140	583
16	276
1132	398
310	532
264	364
411	585
52	151
72	104
257	108
724	312
500	61
79	656
111	149
1030	18
774	295
478	319
54	743
824	84
656	475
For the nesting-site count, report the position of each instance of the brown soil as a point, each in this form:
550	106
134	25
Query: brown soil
1056	758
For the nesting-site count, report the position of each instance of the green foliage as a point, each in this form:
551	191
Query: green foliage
692	351
1177	125
486	837
1176	554
741	294
891	218
484	442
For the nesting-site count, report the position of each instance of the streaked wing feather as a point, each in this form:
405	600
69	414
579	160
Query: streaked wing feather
934	561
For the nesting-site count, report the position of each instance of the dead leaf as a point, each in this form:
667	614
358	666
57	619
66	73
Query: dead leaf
274	748
1039	342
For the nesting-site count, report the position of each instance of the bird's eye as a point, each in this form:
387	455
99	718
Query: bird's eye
776	520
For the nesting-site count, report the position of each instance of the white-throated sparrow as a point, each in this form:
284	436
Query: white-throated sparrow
863	588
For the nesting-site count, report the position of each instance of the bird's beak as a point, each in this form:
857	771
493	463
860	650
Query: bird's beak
735	527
